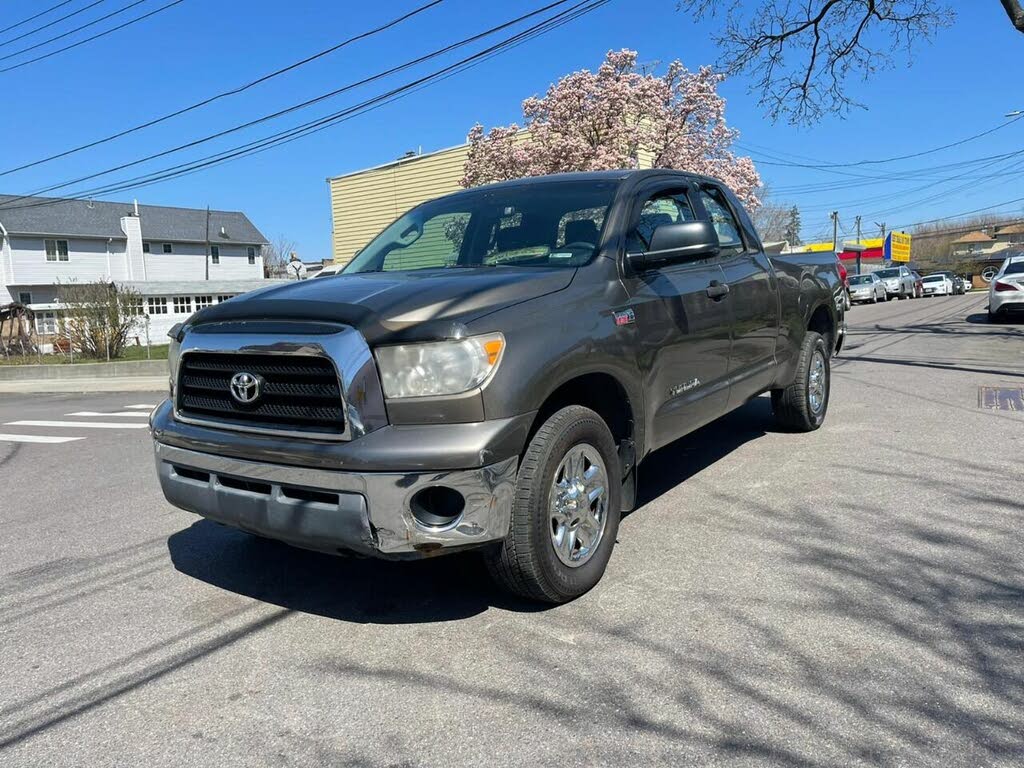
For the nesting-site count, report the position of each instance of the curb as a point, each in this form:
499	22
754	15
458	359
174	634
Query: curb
68	371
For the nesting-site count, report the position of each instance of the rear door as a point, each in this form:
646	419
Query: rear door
753	295
684	334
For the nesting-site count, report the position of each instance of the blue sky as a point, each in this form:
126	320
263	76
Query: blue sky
958	86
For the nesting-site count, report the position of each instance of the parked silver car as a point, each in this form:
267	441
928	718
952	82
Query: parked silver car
899	282
867	288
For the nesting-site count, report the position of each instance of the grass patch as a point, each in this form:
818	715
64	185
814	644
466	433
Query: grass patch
156	352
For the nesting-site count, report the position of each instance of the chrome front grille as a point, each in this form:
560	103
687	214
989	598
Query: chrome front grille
297	393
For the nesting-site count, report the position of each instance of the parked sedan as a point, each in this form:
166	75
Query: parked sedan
956	280
1006	291
918	285
937	284
898	282
867	288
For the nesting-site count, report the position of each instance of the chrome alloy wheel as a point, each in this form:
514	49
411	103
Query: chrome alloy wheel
578	505
817	382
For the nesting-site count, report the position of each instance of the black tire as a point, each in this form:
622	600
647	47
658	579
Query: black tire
525	562
903	294
792	405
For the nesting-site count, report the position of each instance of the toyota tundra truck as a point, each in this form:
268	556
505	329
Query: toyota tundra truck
491	371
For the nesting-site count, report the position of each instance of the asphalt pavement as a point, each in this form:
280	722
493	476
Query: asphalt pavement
850	597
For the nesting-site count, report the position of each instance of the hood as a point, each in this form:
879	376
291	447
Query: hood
392	306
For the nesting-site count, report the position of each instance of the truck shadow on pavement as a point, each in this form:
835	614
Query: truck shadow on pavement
442	589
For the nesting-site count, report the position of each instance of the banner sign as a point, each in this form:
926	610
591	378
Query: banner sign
897	247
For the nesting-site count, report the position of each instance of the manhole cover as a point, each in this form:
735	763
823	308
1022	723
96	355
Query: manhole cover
1001	398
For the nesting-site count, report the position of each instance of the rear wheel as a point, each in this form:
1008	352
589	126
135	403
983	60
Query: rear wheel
802	405
565	514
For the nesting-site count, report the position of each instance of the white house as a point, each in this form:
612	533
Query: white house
179	259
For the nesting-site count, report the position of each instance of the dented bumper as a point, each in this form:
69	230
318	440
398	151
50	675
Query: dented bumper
368	513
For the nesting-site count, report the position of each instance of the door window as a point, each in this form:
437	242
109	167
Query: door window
663	208
725	223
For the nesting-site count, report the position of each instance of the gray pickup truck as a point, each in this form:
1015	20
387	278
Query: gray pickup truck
491	371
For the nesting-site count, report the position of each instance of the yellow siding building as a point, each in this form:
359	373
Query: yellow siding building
364	202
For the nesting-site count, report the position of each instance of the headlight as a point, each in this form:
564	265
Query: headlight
173	352
439	368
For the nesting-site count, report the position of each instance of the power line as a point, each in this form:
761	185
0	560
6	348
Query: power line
89	39
309	102
33	18
300	131
824	166
51	23
232	92
62	35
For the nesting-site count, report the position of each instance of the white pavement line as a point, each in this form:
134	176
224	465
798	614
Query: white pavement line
143	414
36	438
144	405
85	424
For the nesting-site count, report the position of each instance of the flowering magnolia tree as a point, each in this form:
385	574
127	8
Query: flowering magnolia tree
609	119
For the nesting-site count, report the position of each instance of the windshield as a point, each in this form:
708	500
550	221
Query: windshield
1014	268
546	225
934	279
888	273
860	280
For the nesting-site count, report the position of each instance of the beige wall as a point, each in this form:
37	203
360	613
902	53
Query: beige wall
363	203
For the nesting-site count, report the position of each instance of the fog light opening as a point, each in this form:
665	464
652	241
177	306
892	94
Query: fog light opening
437	506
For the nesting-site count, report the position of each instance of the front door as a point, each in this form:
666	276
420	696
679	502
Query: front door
683	332
753	298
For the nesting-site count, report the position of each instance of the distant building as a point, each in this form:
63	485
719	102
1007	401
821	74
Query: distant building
178	259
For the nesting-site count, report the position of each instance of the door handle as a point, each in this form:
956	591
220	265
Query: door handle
717	290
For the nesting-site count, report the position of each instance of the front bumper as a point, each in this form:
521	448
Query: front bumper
367	513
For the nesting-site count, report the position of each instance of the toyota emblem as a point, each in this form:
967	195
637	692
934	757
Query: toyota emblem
246	387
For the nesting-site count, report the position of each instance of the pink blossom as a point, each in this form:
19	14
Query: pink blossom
614	118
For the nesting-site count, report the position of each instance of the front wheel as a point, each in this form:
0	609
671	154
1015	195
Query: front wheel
565	514
801	407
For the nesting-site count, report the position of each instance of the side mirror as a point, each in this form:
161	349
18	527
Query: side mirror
678	242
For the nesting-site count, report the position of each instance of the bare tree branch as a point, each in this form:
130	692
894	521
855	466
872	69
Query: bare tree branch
1015	12
801	53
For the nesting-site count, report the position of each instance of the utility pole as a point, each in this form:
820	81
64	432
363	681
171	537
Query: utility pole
835	231
858	243
881	226
207	242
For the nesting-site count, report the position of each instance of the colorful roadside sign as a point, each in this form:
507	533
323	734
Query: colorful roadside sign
897	247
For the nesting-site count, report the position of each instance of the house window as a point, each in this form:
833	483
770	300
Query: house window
56	250
46	322
203	301
134	307
215	254
224	297
157	305
168	248
251	253
24	297
145	247
183	305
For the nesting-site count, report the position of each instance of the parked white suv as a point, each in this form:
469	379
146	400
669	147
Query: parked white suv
1006	291
898	282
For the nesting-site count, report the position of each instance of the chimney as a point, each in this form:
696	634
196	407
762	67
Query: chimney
136	206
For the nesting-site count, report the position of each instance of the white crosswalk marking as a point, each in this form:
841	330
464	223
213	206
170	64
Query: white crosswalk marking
36	438
144	405
143	414
82	424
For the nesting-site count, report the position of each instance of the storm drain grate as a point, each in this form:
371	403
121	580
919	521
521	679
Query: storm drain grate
1001	398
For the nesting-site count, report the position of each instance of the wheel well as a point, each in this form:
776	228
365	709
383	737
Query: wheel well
601	393
821	322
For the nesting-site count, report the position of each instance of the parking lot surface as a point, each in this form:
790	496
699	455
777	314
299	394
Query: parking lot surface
854	596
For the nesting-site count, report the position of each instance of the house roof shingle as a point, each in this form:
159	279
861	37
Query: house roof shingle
95	218
1011	229
974	237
